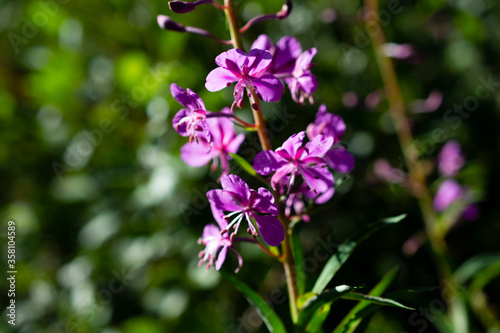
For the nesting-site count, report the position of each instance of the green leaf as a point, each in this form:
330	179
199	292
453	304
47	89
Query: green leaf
375	300
345	249
270	318
243	164
318	318
314	303
352	320
369	308
299	258
474	265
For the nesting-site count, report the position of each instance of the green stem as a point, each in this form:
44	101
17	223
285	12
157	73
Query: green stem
233	24
290	274
260	127
412	159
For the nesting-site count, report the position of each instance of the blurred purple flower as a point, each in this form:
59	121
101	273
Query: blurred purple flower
350	99
236	197
215	241
450	159
471	213
448	192
384	170
430	104
224	141
372	100
190	121
249	71
291	160
332	126
398	51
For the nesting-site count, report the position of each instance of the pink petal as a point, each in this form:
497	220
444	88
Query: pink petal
292	144
270	229
221	258
268	87
319	146
220	78
235	55
340	160
237	186
267	161
196	154
262	43
258	62
288	49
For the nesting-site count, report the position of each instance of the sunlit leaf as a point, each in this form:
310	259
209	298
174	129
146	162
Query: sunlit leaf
352	320
311	306
345	249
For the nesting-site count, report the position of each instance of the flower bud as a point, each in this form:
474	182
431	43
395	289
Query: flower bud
167	23
285	10
181	7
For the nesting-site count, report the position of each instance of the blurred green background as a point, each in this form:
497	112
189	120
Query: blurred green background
108	216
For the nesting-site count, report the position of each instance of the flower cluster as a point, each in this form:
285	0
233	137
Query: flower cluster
300	174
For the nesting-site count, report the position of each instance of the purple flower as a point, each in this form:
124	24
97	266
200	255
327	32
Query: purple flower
291	64
332	126
303	83
448	192
450	159
398	51
291	160
214	242
190	121
285	53
224	141
243	203
328	124
384	170
249	71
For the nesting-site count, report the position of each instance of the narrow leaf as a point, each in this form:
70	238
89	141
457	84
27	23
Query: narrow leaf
367	309
352	320
375	300
475	264
243	164
269	317
318	318
345	249
316	302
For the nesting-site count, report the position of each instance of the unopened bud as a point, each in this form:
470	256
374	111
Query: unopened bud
167	23
285	10
181	7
